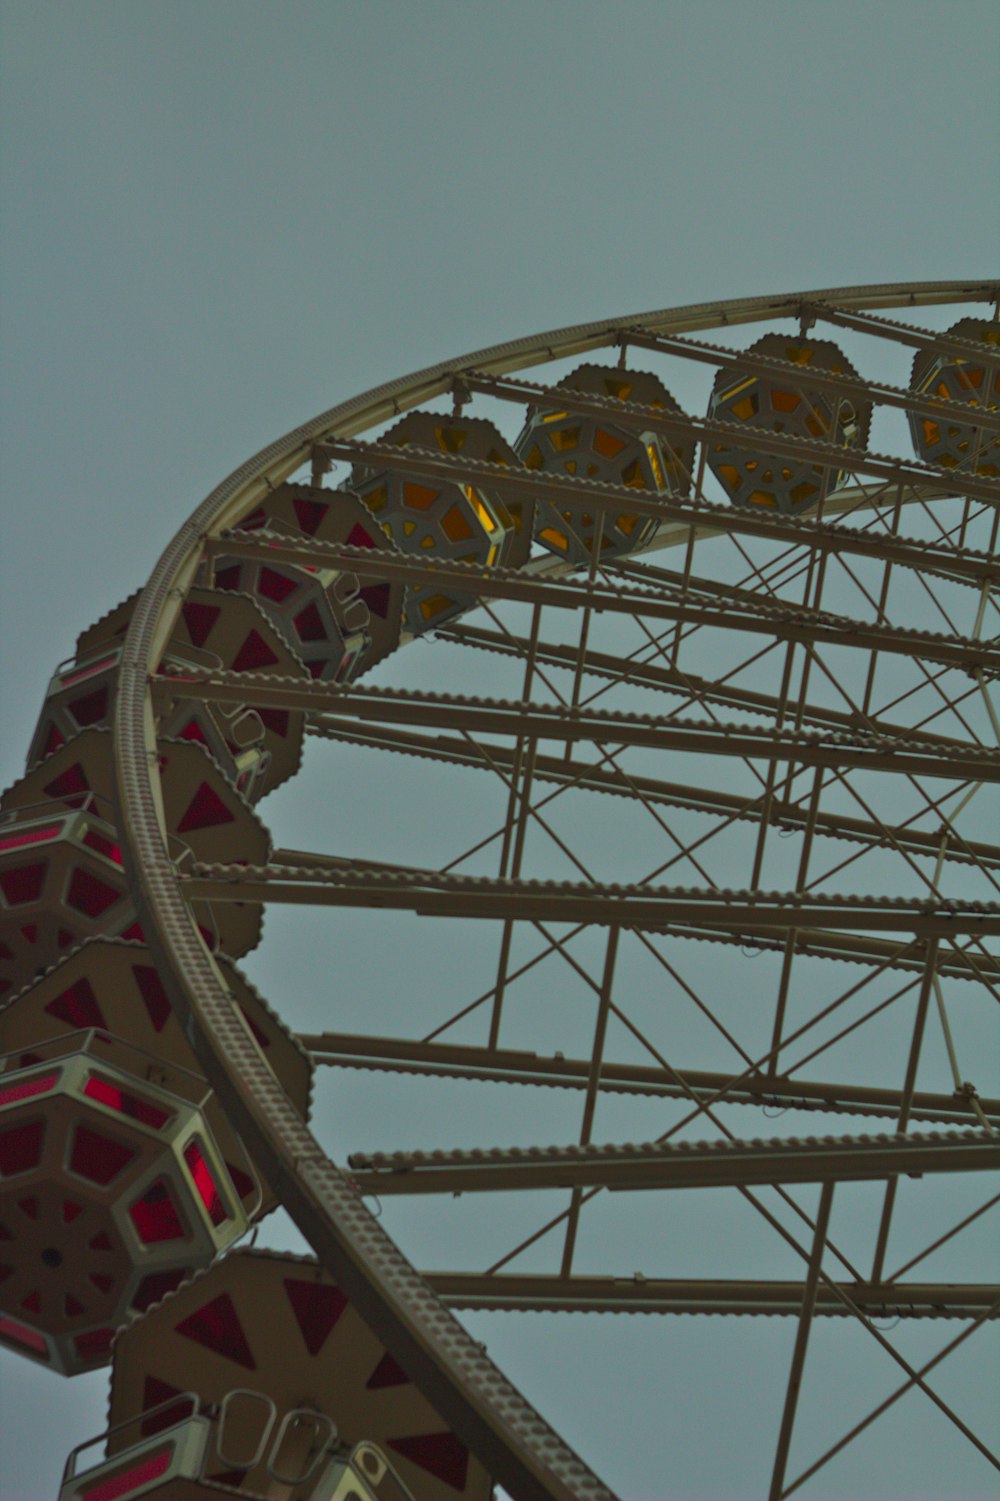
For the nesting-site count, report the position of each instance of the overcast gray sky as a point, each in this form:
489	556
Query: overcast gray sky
223	217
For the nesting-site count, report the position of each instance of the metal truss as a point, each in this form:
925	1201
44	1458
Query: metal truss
880	392
678	515
542	722
631	907
647	1165
841	818
502	1066
540	1294
595	777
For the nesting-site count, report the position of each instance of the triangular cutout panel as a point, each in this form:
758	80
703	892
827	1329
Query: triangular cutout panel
218	1328
277	586
242	1182
388	1372
309	624
440	1454
358	537
317	1307
53	741
309	513
205	810
77	1006
275	720
155	1391
69	784
376	597
200	620
254	653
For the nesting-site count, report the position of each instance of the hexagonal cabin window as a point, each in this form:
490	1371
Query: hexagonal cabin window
971	382
784	402
336	624
436	519
595	442
112	1190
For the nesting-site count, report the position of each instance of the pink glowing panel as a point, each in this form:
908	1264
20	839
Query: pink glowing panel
23	1336
107	847
155	1215
127	1481
31	836
205	1184
40	1084
107	1093
87	672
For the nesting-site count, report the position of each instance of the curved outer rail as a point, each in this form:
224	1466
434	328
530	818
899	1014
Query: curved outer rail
517	1447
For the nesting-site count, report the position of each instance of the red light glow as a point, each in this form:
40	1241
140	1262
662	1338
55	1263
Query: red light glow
87	672
38	1085
31	836
150	1468
106	847
155	1215
22	1336
205	1184
106	1093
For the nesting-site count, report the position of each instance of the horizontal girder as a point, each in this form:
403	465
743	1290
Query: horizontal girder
839	750
509	1066
639	1294
881	953
813	378
856	461
900	333
612	781
431	894
659	676
779	621
702	515
663	1165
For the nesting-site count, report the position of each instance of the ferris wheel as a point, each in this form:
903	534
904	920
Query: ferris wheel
676	815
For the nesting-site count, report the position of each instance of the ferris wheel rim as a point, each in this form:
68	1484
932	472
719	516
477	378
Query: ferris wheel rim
527	1455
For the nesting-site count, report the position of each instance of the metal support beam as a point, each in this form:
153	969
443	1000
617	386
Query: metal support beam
591	1093
660	1165
815	379
801	1342
635	673
706	516
906	1102
915	1378
633	907
585	777
515	830
901	333
506	1066
846	750
854	461
883	953
639	1294
763	617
